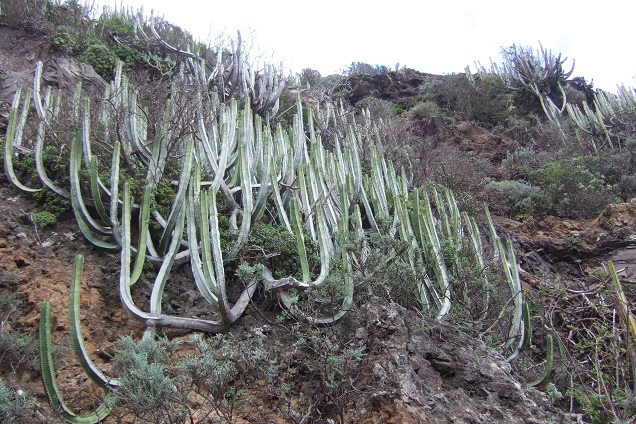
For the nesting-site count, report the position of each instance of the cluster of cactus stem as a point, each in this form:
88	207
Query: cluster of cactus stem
610	120
285	175
536	72
229	75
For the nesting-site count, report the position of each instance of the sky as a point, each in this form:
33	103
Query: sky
441	37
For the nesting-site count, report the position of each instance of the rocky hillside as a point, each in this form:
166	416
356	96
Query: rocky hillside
385	362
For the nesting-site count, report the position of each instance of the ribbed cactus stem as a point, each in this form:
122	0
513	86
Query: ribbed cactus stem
77	339
8	146
85	221
50	382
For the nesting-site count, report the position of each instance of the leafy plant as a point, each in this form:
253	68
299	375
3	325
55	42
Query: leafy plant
100	57
44	219
19	352
148	388
571	189
65	40
512	198
14	405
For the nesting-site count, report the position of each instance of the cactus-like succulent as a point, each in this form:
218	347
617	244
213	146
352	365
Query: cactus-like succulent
315	192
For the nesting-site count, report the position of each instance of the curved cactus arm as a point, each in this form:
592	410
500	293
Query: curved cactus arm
19	129
368	210
37	98
248	204
493	232
211	247
177	206
75	102
95	191
225	140
379	188
546	377
407	234
150	319
86	131
524	340
8	147
93	372
77	200
278	201
324	242
39	164
432	238
114	192
347	301
144	236
266	162
305	201
300	239
193	200
50	382
527	327
429	292
509	266
474	236
157	161
84	220
168	261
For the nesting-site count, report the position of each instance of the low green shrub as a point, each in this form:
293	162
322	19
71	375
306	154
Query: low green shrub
14	405
273	246
44	219
425	110
483	100
511	198
158	382
101	58
65	40
571	189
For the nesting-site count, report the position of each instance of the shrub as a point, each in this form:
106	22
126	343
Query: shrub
44	219
159	384
380	109
115	23
19	352
511	198
571	189
309	77
131	54
425	110
483	100
101	58
14	405
148	387
65	40
335	362
533	74
273	246
366	69
525	160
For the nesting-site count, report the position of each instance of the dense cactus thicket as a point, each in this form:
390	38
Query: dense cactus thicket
191	158
225	169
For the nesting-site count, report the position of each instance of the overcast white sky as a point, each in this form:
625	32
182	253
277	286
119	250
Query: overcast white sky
439	37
